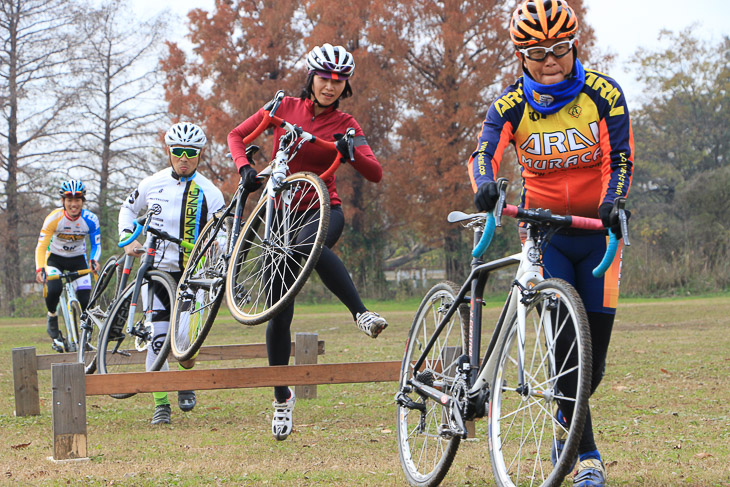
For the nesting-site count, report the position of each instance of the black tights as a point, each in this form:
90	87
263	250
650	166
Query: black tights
601	325
334	275
54	288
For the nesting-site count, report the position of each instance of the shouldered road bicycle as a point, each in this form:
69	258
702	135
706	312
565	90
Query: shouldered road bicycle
260	264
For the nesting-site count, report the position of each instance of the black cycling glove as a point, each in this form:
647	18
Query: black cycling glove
249	177
609	216
346	147
486	196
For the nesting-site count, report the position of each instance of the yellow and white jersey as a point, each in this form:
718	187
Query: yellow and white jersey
66	237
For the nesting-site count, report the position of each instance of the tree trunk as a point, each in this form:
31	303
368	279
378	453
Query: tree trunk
456	255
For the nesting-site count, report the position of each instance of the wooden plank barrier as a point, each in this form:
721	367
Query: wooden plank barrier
70	434
242	378
26	365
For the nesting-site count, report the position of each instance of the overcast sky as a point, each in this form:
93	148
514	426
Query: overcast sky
621	26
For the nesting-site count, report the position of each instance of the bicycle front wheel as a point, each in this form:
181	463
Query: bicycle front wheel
524	431
119	351
426	443
200	291
102	295
72	327
106	285
269	269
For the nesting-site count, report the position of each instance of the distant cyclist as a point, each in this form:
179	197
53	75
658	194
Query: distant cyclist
62	247
316	111
185	200
571	130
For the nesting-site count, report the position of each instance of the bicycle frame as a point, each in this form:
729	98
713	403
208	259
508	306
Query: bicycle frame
480	370
278	169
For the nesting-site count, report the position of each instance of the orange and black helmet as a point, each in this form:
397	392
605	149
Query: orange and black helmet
539	20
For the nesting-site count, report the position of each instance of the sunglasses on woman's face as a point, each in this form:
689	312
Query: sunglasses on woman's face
540	53
188	152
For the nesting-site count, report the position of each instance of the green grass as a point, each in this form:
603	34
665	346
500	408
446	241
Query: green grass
661	414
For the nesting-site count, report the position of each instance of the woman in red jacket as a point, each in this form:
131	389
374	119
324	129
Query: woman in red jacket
330	68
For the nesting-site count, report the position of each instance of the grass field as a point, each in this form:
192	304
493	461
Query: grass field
661	414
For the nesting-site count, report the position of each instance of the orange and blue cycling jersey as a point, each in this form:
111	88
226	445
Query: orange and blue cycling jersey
571	161
66	237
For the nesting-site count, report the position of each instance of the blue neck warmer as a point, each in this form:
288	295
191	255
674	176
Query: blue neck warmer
548	99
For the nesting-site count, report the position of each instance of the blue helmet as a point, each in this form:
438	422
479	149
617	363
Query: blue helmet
73	188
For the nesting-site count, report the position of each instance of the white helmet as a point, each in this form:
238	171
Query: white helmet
186	134
331	62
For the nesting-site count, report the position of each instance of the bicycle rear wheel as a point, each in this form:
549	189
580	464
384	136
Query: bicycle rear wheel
425	447
102	295
200	291
557	370
118	350
267	272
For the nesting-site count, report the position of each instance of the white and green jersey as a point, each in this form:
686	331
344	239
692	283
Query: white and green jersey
182	205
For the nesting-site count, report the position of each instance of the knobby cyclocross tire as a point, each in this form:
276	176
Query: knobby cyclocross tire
102	295
425	453
74	312
200	291
522	424
117	351
265	274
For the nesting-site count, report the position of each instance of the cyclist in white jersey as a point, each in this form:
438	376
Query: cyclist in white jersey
183	200
62	247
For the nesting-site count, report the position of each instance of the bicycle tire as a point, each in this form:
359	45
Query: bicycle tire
72	328
196	305
116	349
102	294
425	453
99	302
555	321
255	259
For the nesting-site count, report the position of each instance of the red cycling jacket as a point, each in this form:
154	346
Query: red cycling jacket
311	157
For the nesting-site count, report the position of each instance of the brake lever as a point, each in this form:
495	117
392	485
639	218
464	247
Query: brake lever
350	134
502	187
620	204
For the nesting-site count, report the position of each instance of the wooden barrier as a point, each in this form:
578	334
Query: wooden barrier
26	365
69	435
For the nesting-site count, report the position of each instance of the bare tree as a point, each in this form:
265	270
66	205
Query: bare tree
37	68
123	106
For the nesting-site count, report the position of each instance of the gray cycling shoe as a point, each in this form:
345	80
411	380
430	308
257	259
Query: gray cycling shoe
52	327
162	414
186	400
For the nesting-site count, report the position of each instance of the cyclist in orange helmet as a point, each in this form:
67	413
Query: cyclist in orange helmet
571	130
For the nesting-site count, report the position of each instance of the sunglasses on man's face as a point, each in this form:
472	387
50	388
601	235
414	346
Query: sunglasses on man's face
188	152
540	53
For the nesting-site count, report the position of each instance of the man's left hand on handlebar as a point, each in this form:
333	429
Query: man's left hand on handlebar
609	214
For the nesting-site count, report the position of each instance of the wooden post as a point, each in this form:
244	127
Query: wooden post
69	411
25	382
450	354
305	353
